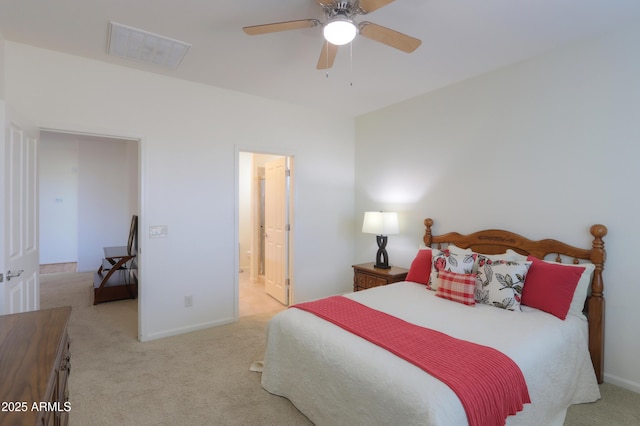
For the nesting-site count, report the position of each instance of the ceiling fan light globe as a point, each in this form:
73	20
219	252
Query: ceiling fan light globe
340	31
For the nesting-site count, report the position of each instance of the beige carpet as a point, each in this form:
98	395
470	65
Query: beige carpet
200	378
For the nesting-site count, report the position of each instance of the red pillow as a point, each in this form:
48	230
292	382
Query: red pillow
460	288
550	286
420	269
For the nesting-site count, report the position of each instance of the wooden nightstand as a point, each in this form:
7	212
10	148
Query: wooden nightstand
366	276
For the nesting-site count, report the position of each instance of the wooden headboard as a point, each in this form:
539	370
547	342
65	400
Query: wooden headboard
495	241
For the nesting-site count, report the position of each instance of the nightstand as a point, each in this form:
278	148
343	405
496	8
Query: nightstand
366	276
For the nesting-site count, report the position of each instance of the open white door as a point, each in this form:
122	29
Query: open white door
20	286
276	220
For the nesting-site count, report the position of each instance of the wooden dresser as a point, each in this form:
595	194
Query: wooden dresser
34	366
366	276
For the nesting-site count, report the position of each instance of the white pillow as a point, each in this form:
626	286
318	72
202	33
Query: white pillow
457	250
514	255
510	255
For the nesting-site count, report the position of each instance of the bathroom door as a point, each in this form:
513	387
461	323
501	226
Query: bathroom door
276	201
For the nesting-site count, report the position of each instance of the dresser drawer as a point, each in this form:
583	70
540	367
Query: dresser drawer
63	373
367	281
375	281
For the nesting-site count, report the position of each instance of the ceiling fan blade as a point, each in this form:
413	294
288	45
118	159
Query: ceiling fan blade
324	2
327	55
281	26
367	6
389	37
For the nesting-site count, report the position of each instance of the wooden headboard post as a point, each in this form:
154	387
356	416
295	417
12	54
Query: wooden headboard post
494	241
428	223
595	303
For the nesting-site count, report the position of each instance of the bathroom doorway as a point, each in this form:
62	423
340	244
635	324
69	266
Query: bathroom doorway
264	219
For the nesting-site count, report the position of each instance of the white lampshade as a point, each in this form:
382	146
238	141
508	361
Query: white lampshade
340	30
380	223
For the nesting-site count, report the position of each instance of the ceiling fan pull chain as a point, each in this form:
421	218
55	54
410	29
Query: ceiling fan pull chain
327	57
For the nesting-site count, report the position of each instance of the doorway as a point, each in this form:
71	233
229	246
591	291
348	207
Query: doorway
89	191
264	232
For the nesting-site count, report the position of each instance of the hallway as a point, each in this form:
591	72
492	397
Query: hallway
253	299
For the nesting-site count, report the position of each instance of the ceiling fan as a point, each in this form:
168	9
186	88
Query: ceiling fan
340	28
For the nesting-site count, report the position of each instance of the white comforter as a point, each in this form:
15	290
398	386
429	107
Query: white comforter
336	378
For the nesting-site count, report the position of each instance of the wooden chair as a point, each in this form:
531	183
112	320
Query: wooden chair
117	277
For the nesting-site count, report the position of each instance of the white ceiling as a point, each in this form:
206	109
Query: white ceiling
460	39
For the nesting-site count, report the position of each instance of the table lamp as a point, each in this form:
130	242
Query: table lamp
381	224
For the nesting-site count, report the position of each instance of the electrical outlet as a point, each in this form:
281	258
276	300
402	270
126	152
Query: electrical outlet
188	301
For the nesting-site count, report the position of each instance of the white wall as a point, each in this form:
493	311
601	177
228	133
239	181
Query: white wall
545	148
58	162
190	134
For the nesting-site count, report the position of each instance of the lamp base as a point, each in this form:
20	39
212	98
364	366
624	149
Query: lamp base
382	258
382	266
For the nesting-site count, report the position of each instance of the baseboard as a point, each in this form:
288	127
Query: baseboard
182	330
623	383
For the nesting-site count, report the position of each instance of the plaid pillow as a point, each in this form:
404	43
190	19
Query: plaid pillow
457	287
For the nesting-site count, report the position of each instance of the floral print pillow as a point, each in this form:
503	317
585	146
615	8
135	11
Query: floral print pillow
499	283
446	260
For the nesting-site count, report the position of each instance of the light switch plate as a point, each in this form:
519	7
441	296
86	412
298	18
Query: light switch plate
158	231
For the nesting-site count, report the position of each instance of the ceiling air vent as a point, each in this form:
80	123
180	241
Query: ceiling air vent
139	45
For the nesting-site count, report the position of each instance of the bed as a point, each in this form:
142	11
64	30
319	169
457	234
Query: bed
336	377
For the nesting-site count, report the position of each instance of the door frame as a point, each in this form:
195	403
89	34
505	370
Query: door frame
142	150
284	152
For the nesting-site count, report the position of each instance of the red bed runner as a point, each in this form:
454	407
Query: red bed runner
488	383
